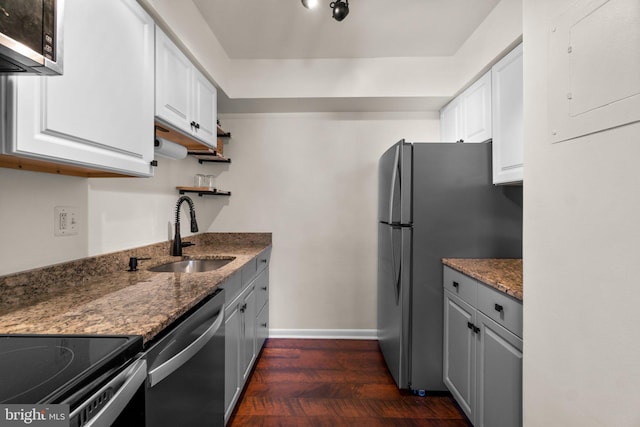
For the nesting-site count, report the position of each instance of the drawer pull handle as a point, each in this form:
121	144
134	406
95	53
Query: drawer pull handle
499	308
456	284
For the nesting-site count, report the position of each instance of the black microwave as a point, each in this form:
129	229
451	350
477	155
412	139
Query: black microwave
31	36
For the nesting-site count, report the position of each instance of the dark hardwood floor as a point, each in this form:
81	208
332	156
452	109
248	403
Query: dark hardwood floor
334	383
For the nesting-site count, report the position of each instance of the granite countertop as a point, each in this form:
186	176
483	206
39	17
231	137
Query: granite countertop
502	274
98	296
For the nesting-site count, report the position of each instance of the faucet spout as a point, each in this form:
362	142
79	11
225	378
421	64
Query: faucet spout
176	248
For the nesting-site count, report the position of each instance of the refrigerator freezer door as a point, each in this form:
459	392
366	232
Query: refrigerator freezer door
394	185
389	185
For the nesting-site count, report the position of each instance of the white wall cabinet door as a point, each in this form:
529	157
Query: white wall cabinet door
476	110
467	118
185	99
450	129
508	146
174	92
205	102
99	114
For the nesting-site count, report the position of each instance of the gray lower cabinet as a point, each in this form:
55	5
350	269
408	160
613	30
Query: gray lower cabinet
459	368
482	359
499	376
246	325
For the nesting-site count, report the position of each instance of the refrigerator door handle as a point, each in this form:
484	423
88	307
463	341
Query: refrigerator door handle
396	271
394	178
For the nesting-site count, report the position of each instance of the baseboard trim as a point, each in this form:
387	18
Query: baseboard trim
336	334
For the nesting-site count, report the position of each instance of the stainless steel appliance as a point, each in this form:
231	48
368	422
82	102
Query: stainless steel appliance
185	384
31	36
436	200
100	377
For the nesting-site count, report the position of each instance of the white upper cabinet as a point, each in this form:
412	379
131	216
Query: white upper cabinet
205	109
185	99
450	121
476	110
507	88
99	114
467	117
173	83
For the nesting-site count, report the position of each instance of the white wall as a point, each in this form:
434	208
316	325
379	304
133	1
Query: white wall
27	201
113	213
311	179
130	212
581	263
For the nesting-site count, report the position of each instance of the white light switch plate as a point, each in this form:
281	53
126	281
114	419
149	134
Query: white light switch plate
65	221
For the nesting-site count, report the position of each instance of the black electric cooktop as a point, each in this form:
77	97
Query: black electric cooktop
49	368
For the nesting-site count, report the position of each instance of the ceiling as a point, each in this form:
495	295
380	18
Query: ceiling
284	29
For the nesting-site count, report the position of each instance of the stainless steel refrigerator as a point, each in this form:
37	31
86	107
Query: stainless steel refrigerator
436	200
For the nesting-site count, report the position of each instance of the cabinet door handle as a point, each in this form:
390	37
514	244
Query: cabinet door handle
197	125
264	325
243	308
456	284
498	308
473	327
193	124
264	288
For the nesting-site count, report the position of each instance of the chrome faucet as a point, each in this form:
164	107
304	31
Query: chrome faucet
178	244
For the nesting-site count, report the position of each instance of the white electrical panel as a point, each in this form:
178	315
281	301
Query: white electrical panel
594	68
65	221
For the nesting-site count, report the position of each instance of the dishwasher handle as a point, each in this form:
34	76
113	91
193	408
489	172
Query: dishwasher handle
126	383
167	368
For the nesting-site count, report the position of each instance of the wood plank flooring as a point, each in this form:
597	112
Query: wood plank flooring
334	383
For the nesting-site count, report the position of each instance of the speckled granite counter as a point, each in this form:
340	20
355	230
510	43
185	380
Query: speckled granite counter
98	296
502	274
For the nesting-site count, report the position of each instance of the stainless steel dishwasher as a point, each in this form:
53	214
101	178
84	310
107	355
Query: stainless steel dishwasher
185	381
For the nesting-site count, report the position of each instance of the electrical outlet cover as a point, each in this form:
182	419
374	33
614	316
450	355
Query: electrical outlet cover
65	221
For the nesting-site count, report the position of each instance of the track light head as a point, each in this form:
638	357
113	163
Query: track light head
340	9
310	4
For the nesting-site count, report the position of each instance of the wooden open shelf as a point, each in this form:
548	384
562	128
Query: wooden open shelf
23	163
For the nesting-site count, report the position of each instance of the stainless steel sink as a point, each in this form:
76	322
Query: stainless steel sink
191	265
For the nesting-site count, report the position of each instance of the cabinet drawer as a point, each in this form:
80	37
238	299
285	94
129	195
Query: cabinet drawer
249	271
232	287
262	289
262	325
263	259
500	307
460	285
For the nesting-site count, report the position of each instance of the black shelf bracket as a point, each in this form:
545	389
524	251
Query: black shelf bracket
201	193
208	158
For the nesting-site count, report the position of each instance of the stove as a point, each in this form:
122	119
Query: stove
73	370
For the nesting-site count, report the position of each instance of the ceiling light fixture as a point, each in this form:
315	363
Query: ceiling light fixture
340	9
310	4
